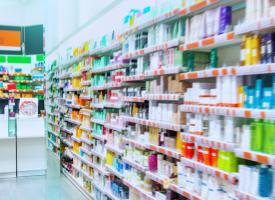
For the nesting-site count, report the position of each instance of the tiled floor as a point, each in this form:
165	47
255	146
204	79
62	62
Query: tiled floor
53	186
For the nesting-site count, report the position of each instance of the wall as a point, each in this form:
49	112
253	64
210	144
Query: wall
95	18
11	12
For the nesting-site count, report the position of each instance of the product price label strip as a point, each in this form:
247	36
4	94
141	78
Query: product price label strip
114	127
256	156
132	78
86	151
143	193
158	72
209	41
208	73
114	171
134	143
158	124
109	67
167	97
184	192
115	150
98	121
210	170
86	128
229	111
133	99
153	21
164	150
245	196
135	165
255	25
111	47
99	137
209	142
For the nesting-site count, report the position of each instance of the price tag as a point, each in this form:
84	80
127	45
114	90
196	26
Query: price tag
265	23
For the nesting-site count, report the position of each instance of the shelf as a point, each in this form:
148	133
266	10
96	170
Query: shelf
185	193
114	149
169	16
98	121
164	97
99	137
72	106
86	128
256	156
132	99
76	139
73	121
111	85
6	73
232	177
66	130
132	78
100	155
71	89
13	81
134	143
85	112
53	114
230	111
208	73
94	88
114	171
114	127
223	40
76	74
110	195
38	80
246	196
85	82
38	91
85	68
80	187
149	50
64	76
56	134
27	91
95	51
107	68
86	151
112	47
163	71
134	164
76	168
98	187
205	141
70	62
53	143
97	105
84	97
54	155
71	157
255	69
261	26
164	150
159	124
113	105
86	175
89	142
142	192
38	69
68	143
155	177
53	123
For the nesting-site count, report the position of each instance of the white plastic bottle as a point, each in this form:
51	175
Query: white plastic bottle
6	111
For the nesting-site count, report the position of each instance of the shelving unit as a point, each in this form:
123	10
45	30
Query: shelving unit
102	130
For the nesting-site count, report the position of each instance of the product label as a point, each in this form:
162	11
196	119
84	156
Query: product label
251	100
254	51
263	49
268	93
242	54
247	51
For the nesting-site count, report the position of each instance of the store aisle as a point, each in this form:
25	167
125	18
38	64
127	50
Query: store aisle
53	186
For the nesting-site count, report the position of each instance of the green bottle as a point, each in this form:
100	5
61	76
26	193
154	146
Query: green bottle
257	135
268	140
221	159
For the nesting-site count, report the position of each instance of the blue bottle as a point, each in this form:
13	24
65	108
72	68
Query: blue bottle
264	181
